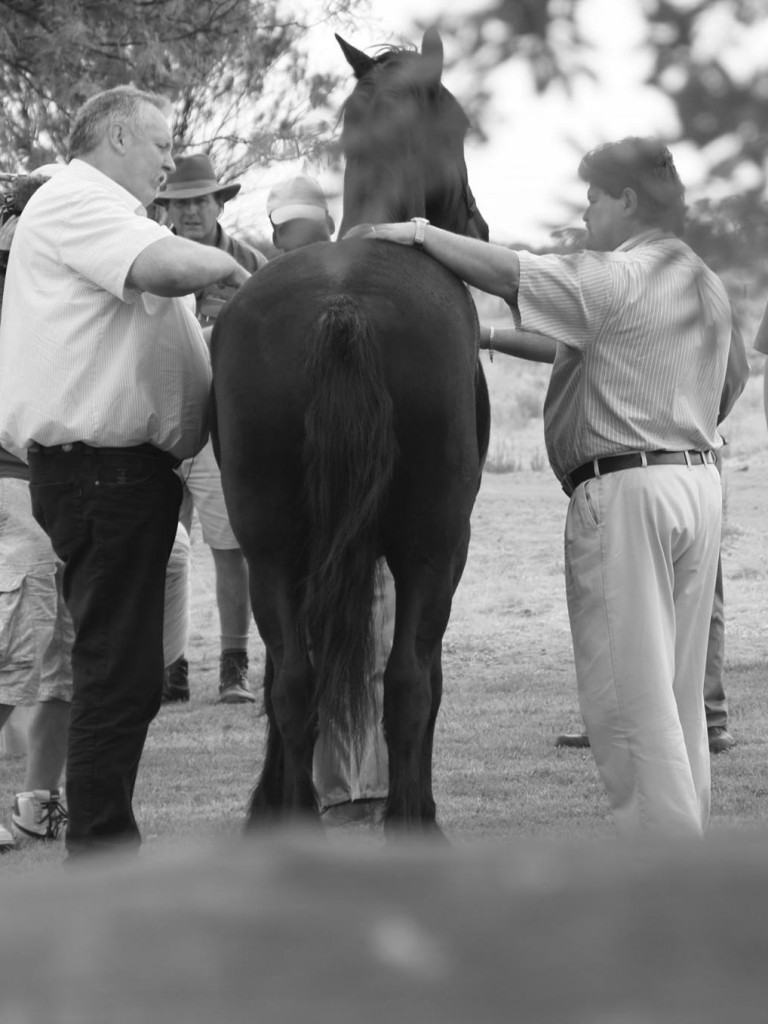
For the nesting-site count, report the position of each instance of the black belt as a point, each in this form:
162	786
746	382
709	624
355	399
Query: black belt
81	448
633	460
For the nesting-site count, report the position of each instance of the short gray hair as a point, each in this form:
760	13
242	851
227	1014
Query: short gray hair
93	119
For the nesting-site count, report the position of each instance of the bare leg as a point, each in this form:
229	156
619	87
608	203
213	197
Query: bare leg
46	745
232	596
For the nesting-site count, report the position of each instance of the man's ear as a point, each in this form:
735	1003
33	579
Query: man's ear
117	133
630	201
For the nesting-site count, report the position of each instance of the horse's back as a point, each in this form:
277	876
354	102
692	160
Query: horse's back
422	321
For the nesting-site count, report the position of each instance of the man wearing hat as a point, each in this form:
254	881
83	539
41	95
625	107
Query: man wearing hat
298	212
194	200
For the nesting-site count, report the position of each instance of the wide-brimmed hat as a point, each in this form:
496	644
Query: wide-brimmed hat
194	176
298	198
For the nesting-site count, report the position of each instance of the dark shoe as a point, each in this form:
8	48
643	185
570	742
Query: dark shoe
233	678
572	739
176	682
720	739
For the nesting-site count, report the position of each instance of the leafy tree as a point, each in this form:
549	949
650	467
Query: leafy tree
233	69
697	49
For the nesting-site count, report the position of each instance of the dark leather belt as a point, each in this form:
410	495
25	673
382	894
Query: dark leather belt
633	460
81	448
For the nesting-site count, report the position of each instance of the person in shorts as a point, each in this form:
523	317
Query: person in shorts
193	200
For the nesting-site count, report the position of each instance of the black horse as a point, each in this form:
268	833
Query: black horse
351	422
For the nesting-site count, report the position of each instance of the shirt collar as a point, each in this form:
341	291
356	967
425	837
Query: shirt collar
87	172
650	235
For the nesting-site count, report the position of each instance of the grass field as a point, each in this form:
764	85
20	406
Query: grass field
509	682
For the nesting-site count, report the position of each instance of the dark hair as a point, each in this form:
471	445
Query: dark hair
646	166
93	119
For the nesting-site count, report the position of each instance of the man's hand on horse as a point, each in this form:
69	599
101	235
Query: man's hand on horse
237	277
402	233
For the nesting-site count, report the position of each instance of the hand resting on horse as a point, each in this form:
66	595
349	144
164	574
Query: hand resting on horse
493	268
177	266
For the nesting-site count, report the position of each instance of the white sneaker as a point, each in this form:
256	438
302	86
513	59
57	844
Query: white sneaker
38	815
7	842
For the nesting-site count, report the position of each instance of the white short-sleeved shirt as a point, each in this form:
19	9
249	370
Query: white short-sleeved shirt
644	331
82	356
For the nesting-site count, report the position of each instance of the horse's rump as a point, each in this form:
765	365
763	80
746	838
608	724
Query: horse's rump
349	372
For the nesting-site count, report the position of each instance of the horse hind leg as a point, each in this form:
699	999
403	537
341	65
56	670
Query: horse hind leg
412	691
428	808
266	797
285	789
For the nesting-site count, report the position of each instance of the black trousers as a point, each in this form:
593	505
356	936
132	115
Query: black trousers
111	514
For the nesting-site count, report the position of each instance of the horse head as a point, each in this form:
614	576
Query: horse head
403	139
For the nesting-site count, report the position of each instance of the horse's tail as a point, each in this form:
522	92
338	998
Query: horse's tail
349	454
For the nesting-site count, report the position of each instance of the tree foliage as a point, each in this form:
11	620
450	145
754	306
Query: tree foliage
696	47
238	80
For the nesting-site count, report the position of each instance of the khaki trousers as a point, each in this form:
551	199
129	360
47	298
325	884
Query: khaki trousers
641	550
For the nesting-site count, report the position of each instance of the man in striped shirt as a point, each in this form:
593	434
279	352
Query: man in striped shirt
642	330
104	385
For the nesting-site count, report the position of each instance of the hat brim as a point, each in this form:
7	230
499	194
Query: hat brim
298	211
194	190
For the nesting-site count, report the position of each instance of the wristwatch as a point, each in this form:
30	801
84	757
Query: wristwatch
421	227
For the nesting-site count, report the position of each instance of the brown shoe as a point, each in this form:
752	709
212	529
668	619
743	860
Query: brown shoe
233	678
720	739
176	682
572	739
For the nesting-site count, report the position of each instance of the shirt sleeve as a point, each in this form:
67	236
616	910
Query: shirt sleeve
101	239
761	339
565	297
736	370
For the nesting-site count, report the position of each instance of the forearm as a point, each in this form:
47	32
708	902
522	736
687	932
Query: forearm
523	344
177	266
483	265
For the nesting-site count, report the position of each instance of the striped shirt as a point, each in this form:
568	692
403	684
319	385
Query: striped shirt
761	338
644	331
82	356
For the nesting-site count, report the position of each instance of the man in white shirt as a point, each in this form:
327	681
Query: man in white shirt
104	383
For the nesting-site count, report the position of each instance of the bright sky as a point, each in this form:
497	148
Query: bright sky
525	179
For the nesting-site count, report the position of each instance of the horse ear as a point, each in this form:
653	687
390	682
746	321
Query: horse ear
360	62
432	52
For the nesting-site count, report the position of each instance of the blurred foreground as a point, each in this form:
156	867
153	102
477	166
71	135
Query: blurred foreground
294	928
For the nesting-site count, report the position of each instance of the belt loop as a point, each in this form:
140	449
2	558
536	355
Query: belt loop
687	455
596	467
643	460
